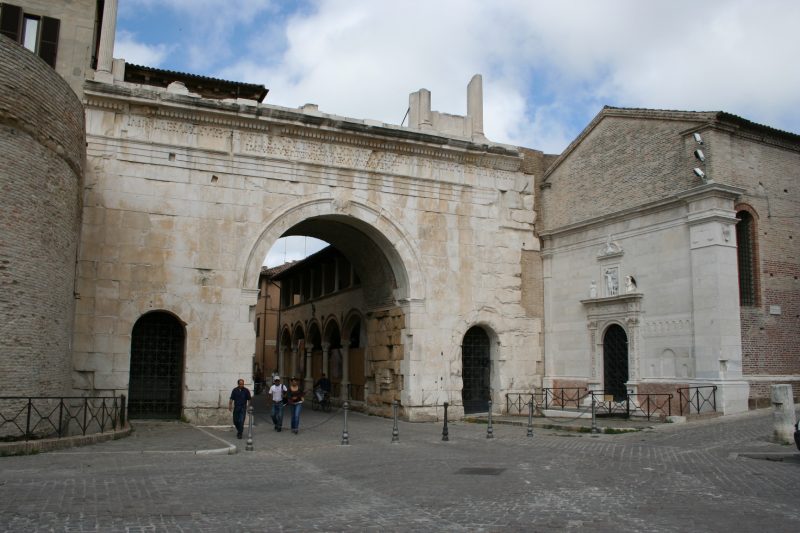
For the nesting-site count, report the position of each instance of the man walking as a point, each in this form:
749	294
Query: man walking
240	400
276	392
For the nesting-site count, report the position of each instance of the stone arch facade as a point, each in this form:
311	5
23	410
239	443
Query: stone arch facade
388	235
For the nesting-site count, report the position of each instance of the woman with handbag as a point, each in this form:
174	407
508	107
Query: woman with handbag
295	396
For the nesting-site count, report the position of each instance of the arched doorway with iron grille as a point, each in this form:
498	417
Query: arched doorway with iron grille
615	362
476	370
156	371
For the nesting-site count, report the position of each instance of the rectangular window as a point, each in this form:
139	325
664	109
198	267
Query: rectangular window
37	34
30	33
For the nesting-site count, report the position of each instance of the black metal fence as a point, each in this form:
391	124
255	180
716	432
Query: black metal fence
701	399
581	401
42	417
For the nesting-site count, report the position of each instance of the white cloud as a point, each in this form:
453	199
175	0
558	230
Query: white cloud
548	67
138	53
288	249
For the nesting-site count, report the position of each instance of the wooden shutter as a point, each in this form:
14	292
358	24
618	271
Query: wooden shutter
48	42
11	21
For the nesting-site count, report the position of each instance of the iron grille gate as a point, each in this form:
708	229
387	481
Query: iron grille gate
476	371
156	367
615	362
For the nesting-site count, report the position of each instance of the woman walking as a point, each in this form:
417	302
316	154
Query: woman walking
295	403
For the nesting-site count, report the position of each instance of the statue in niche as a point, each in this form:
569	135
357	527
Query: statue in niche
630	284
612	281
593	290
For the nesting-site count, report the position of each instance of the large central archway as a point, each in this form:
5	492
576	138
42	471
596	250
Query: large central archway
369	271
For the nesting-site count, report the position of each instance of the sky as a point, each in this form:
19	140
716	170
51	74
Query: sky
548	66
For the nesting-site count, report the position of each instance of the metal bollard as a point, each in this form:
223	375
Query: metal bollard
530	418
594	430
444	430
395	432
345	435
249	446
489	429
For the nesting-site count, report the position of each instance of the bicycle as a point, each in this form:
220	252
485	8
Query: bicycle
321	400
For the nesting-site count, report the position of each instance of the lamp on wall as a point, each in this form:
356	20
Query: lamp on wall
701	157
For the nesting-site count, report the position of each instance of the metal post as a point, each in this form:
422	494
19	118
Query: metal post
249	446
28	423
345	435
444	429
594	419
530	417
489	430
85	412
395	432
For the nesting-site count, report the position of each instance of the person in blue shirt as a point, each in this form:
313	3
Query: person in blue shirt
240	400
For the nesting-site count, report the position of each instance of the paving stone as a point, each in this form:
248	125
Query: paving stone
671	478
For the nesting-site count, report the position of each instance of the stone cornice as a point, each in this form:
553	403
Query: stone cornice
295	123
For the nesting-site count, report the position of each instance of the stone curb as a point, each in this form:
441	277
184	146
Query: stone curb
49	445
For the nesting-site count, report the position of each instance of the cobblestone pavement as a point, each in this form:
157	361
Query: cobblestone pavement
676	477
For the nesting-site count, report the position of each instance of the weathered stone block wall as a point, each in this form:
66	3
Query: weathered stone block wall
187	196
42	147
385	354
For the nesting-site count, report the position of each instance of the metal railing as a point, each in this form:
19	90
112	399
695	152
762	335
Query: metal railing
572	399
634	404
41	417
703	399
563	397
517	403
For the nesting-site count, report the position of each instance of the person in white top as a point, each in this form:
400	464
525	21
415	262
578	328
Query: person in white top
276	393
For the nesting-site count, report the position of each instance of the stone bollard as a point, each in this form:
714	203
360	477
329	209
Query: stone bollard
783	417
445	432
530	418
345	434
249	446
594	429
489	428
395	432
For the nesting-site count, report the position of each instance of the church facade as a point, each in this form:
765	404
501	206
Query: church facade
462	270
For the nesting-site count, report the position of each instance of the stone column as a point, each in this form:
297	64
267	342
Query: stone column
309	381
345	369
783	416
294	362
105	51
419	114
475	105
326	346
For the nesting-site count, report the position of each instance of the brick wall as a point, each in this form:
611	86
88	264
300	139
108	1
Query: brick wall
624	162
769	171
42	154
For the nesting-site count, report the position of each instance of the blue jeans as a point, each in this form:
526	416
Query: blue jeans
296	408
277	414
238	419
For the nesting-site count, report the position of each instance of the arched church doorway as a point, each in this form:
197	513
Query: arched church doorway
615	362
156	372
476	368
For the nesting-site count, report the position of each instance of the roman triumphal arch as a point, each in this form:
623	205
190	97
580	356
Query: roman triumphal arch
185	195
